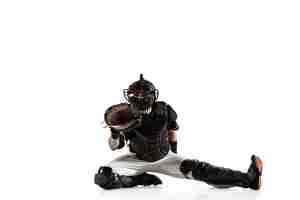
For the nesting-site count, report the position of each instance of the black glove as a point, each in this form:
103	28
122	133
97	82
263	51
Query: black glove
173	146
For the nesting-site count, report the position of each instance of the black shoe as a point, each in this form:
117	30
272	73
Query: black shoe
254	172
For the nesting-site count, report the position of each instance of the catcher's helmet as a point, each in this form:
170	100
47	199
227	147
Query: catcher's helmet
141	94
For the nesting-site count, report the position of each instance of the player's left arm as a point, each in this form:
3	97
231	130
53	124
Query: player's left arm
172	140
172	128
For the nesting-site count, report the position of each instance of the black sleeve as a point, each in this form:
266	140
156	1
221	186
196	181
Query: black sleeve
172	117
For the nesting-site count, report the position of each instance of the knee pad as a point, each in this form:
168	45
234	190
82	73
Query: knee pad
187	166
104	177
192	168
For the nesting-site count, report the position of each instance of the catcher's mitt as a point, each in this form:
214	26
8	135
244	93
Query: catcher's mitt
120	117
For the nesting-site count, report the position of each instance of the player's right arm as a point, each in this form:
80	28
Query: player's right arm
116	140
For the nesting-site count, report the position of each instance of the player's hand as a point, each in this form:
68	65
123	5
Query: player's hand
121	118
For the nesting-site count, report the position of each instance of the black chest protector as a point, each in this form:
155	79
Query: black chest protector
150	140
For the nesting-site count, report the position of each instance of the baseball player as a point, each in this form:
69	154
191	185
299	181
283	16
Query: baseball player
148	127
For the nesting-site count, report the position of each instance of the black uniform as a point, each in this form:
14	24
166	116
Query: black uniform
150	140
150	149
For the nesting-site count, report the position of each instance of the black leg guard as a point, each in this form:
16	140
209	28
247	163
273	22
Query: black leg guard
106	179
147	179
217	176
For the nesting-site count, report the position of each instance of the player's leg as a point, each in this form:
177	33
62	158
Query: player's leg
123	172
221	177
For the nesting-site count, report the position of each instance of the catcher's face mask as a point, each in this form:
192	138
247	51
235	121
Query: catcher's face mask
140	100
141	95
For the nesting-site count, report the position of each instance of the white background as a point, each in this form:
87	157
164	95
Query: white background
229	68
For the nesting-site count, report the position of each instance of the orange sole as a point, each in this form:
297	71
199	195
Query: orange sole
259	166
